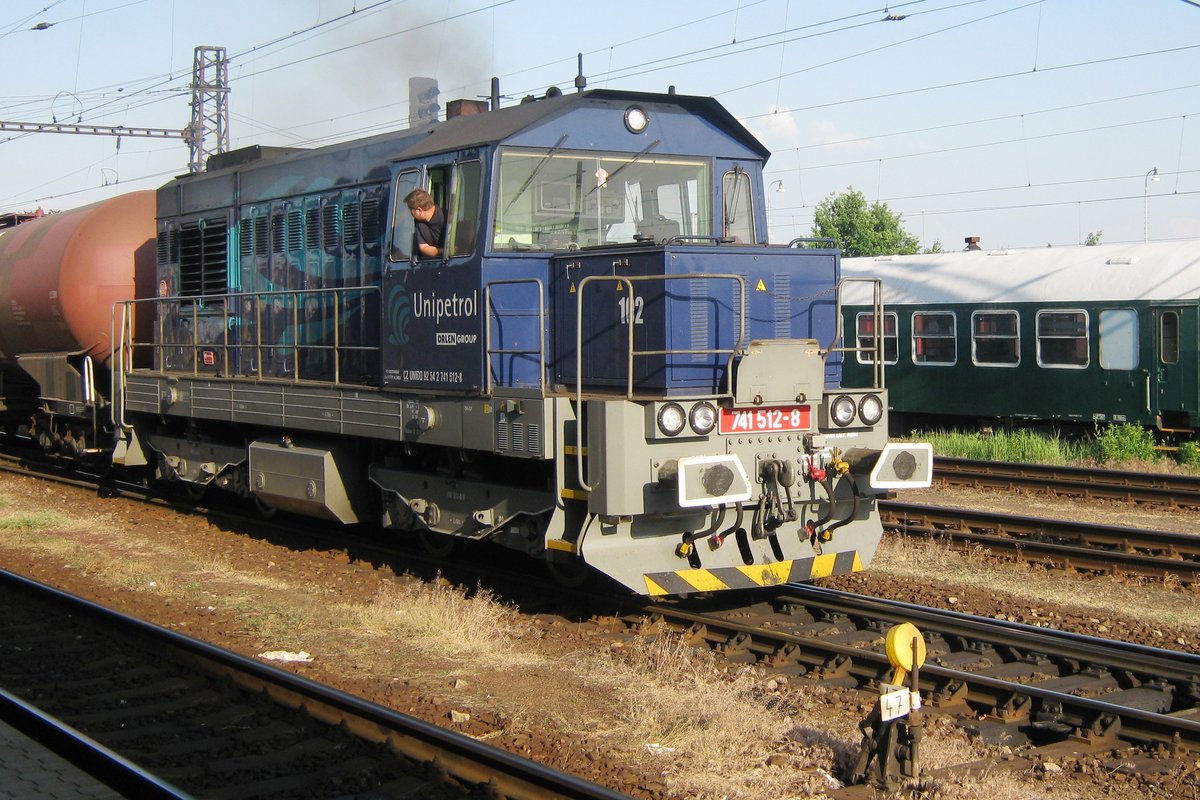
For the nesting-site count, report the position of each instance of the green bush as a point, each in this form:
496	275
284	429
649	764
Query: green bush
1188	454
1126	442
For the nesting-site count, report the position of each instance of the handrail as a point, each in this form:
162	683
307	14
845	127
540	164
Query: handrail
813	240
123	345
877	349
632	353
487	332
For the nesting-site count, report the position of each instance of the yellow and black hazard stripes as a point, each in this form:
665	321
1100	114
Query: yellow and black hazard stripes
686	581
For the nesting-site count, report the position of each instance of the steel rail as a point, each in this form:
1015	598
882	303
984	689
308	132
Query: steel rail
465	759
1141	487
1075	545
856	659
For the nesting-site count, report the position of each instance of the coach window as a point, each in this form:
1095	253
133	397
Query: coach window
1168	337
995	338
1062	339
865	325
934	342
1118	338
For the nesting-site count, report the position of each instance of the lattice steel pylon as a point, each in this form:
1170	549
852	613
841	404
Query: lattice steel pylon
208	132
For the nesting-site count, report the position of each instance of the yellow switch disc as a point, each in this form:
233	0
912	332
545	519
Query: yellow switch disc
905	646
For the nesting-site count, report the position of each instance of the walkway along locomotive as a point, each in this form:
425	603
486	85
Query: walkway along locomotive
605	367
1060	336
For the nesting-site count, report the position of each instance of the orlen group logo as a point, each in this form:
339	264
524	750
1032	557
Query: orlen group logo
447	338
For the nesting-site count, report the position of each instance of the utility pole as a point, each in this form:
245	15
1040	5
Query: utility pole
208	132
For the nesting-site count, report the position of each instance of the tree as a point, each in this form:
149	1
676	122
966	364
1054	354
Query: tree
862	230
1093	238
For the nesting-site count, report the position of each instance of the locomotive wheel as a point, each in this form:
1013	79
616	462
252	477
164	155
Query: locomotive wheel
567	570
438	545
264	510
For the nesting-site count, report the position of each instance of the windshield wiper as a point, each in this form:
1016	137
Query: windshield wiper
536	170
630	162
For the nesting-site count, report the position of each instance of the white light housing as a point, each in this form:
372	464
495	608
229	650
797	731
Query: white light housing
841	411
636	119
703	418
870	409
671	419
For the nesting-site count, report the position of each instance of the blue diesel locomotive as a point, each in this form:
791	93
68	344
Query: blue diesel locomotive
606	367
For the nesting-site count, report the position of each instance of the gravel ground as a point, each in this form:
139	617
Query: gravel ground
248	594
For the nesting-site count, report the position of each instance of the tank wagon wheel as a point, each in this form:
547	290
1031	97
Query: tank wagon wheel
438	545
568	571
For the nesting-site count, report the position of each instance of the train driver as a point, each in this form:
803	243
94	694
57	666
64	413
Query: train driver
430	223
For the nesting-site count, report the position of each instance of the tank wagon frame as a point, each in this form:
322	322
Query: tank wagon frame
606	368
1063	336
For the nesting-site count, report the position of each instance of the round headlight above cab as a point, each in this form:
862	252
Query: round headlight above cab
870	409
671	419
636	119
841	410
703	418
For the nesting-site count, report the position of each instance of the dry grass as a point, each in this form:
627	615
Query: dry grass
444	621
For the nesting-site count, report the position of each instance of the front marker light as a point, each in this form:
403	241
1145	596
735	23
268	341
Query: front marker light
842	411
870	409
671	419
703	418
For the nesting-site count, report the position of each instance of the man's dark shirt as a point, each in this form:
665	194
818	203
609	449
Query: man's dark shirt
434	231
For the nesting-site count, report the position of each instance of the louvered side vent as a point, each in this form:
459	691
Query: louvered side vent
203	265
295	230
350	226
503	440
783	306
699	317
246	236
533	442
370	218
329	227
312	228
191	265
518	435
164	248
216	258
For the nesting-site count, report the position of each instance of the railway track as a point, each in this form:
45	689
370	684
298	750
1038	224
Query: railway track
1011	683
156	714
1086	547
1139	487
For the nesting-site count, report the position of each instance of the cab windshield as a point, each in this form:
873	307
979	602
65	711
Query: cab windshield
561	200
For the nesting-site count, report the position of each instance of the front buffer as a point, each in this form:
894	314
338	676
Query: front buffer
782	489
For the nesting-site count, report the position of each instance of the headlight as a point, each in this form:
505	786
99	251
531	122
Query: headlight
870	409
842	411
636	119
703	418
671	419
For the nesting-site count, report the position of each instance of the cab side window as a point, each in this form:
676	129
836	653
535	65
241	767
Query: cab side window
402	221
464	217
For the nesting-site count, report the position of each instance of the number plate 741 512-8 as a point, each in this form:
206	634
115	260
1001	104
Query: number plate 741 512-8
768	419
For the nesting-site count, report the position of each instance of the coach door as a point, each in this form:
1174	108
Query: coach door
1172	384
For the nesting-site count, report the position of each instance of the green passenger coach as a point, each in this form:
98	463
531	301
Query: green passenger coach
1066	336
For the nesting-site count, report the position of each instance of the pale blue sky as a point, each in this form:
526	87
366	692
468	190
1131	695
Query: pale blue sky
1024	122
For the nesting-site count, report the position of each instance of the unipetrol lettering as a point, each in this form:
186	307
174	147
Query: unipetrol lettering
439	308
